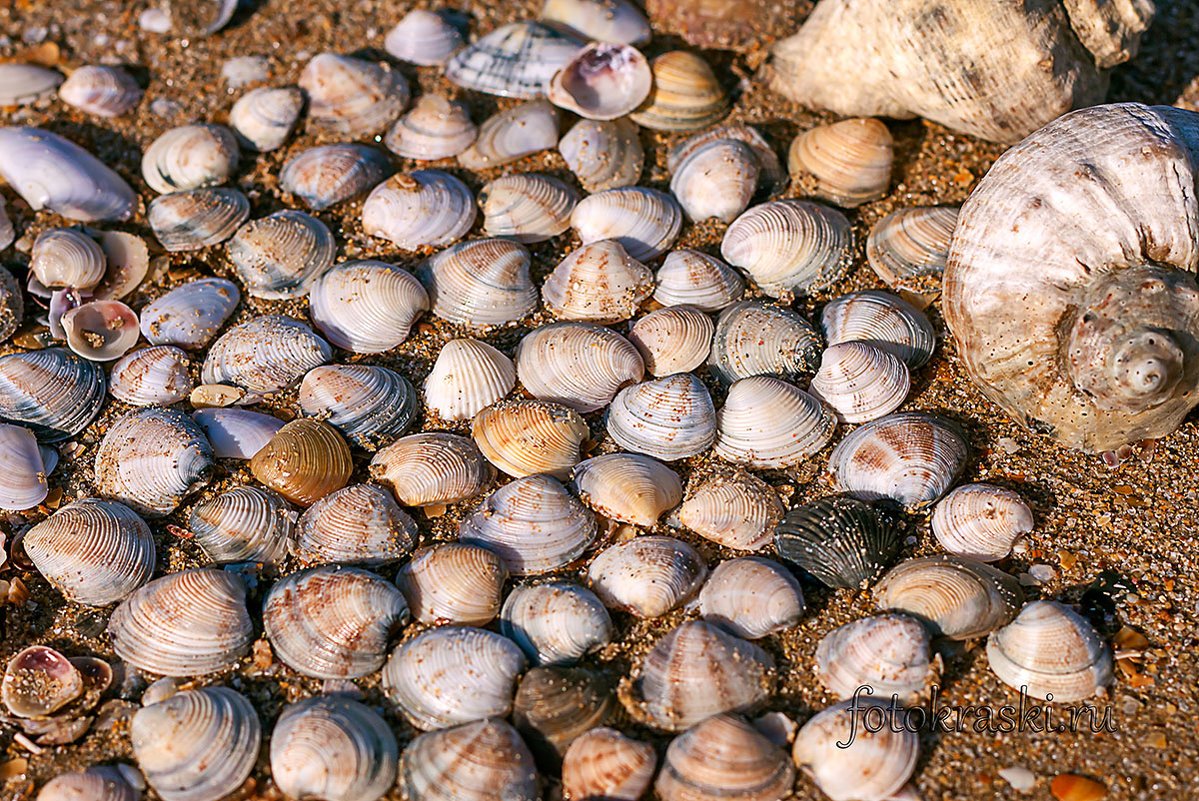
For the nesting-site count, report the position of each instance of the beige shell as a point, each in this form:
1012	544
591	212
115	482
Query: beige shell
724	757
627	487
600	283
23	472
886	321
869	767
1053	652
367	306
772	178
751	597
644	221
579	365
280	256
603	154
244	524
716	180
617	21
981	521
189	157
846	162
151	459
673	340
432	469
66	257
766	423
526	207
908	247
887	653
101	330
264	355
110	783
602	81
480	283
305	461
605	764
351	98
101	90
686	95
425	207
453	582
479	761
512	134
647	576
955	597
154	375
555	622
524	437
467	376
860	382
691	278
357	525
738	511
263	117
435	128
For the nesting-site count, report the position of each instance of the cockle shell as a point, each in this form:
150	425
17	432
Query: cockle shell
325	175
686	95
738	511
468	376
514	60
602	81
555	704
367	306
101	90
860	382
841	541
751	597
23	482
368	404
627	487
716	180
351	97
151	459
790	246
432	469
579	365
691	278
603	154
955	597
772	178
453	582
908	247
755	338
480	283
555	623
189	157
196	218
599	282
280	256
190	315
358	525
605	764
766	423
861	768
67	257
644	221
154	375
48	171
526	207
981	521
668	418
236	433
647	576
1052	653
427	38
101	330
673	340
117	783
479	761
512	134
724	757
22	84
523	437
265	354
263	118
39	681
245	524
617	21
887	653
436	128
53	392
846	162
883	320
305	461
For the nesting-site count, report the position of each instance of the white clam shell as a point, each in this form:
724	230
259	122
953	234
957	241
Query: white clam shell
860	382
645	221
766	423
151	459
22	473
328	174
849	162
427	38
189	157
154	375
599	282
691	278
432	469
280	256
264	355
908	248
790	246
668	418
480	283
981	521
526	207
647	576
467	376
737	511
756	338
772	178
67	257
351	97
426	207
603	154
617	21
197	218
716	180
512	134
1053	652
676	339
887	653
435	128
602	81
48	171
116	783
359	525
190	315
263	118
883	320
514	60
955	597
453	582
751	597
724	756
603	763
101	90
22	84
236	433
245	524
627	487
476	761
579	365
367	306
555	623
871	768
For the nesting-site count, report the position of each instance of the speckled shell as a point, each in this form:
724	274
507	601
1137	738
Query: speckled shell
189	157
908	247
772	178
790	246
280	256
48	171
647	576
523	437
756	338
22	84
887	653
955	597
245	524
686	95
751	597
189	316
1053	652
605	764
128	259
370	405
101	90
264	355
427	38
39	681
739	511
325	175
358	525
579	365
724	757
668	418
53	392
645	222
432	469
841	541
479	761
691	278
116	783
981	521
367	306
883	320
66	257
603	81
846	162
526	207
616	21
436	128
860	382
676	339
716	180
426	207
627	487
603	154
236	433
870	768
263	118
305	461
514	60
453	582
556	704
100	330
480	283
154	375
555	623
350	97
468	376
151	459
599	282
766	423
197	218
512	134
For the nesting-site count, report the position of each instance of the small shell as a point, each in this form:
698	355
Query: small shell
908	247
367	306
756	338
101	330
369	405
426	38
332	622
452	582
579	365
737	512
772	178
556	623
602	81
860	382
912	458
326	175
436	128
673	340
197	218
751	597
151	459
264	355
189	623
480	283
12	302
116	783
350	97
686	95
263	118
524	437
841	541
847	162
647	576
512	134
150	376
766	423
627	487
514	60
716	180
790	246
526	207
245	524
480	761
691	278
1051	652
668	418
955	597
52	392
426	207
605	765
603	154
617	21
883	320
600	282
857	768
67	257
236	433
432	469
305	461
981	521
358	525
101	90
468	376
55	173
39	681
280	256
189	316
22	472
189	157
887	653
555	704
645	221
193	19
724	757
23	84
533	524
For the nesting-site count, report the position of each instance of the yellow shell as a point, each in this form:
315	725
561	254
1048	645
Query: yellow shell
305	461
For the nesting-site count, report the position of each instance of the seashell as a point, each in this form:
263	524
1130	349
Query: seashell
602	81
955	597
555	623
358	525
737	512
717	180
480	283
197	745
265	354
766	423
554	705
860	382
436	128
332	622
305	461
533	524
627	487
647	576
514	60
696	671
426	38
263	118
1051	652
772	178
841	541
192	19
668	418
325	175
889	654
351	98
691	278
245	524
101	90
189	157
599	282
451	675
526	207
870	768
908	247
524	437
67	258
645	221
981	521
452	582
151	376
128	259
883	320
790	246
614	21
333	747
846	162
686	95
468	376
751	597
478	761
48	171
512	134
12	302
724	757
426	207
151	459
115	783
197	218
52	392
367	404
23	84
101	330
676	339
236	433
280	256
579	365
603	764
432	470
22	472
912	458
190	315
366	306
754	338
603	154
189	623
39	681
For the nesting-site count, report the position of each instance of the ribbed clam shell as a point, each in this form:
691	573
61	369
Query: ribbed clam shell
67	257
22	84
189	316
328	174
263	117
335	748
755	338
870	768
908	247
848	162
350	97
197	745
48	171
150	376
841	541
555	623
38	681
686	95
616	21
128	259
668	418
468	376
480	283
101	330
603	154
94	552
605	764
724	757
738	511
358	525
245	524
432	469
716	180
22	472
955	597
526	207
151	459
555	704
436	128
860	382
772	178
579	365
115	783
627	487
751	597
189	157
766	423
281	255
523	437
645	221
602	81
691	278
790	246
599	282
332	622
427	38
12	302
512	134
1051	652
514	60
189	623
369	404
479	761
451	675
887	653
647	576
453	582
883	320
197	218
367	306
981	521
676	339
101	90
265	354
305	461
426	207
533	524
236	433
912	458
52	391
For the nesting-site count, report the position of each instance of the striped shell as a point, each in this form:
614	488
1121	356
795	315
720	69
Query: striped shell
478	761
432	469
645	221
189	157
954	597
23	470
846	162
367	306
875	767
603	154
263	118
668	418
887	653
280	256
351	98
738	511
468	376
480	283
436	128
514	60
755	338
244	524
357	525
425	207
751	597
790	246
883	320
22	84
1051	652
766	423
512	134
686	95
981	521
101	90
523	437
860	382
66	257
526	207
908	248
724	757
647	576
627	487
691	278
305	461
716	180
605	764
453	582
116	783
599	282
151	459
676	339
579	365
53	392
617	21
427	38
369	405
190	315
555	623
154	375
197	218
264	355
840	541
325	175
772	178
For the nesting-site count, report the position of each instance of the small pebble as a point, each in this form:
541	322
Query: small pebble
1042	573
1008	445
154	20
243	70
1072	787
165	107
215	395
1020	778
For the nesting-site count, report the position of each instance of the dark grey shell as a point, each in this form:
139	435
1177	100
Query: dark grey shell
52	392
841	541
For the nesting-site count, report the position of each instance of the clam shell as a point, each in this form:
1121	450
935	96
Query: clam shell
526	207
436	128
189	157
426	207
452	582
427	38
579	365
524	437
766	423
668	418
128	260
190	315
860	382
772	178
724	757
555	623
955	597
751	597
236	433
101	330
358	525
627	487
480	283
23	84
48	171
598	283
150	376
305	461
673	340
263	118
887	653
603	154
647	576
790	246
645	221
754	338
739	512
67	257
716	180
841	541
868	768
52	392
101	90
245	524
196	19
468	376
883	320
368	404
325	175
512	134
264	355
602	81
1052	653
981	521
281	255
39	681
151	459
432	469
686	95
908	248
605	764
478	761
350	97
514	60
116	783
615	21
22	472
197	218
691	278
555	704
848	162
366	306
